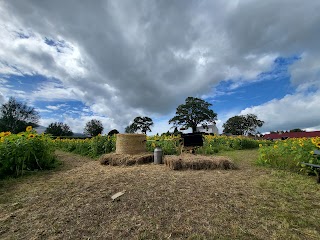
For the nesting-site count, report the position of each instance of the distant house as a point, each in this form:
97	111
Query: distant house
212	129
285	135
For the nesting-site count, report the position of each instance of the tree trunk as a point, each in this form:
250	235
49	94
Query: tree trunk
194	129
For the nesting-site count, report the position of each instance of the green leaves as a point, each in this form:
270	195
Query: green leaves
16	116
93	128
26	151
59	129
195	111
140	123
242	125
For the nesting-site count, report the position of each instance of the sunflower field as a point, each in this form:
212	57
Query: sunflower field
91	147
26	151
288	154
212	144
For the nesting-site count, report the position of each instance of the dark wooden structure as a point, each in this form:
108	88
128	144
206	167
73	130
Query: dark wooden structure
316	167
191	141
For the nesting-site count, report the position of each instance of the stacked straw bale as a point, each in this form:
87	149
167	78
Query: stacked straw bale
115	159
198	162
131	149
131	143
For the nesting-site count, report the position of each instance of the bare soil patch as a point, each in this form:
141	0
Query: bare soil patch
75	202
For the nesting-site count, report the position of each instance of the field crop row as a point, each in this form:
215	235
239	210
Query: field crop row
29	151
288	154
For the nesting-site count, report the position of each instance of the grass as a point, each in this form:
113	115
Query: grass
74	202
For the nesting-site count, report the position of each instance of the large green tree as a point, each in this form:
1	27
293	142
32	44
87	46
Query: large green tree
16	116
194	112
59	129
140	123
93	127
242	125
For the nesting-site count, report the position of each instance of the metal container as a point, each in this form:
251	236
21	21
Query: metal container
157	155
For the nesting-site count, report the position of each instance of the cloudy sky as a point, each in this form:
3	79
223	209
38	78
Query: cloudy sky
76	60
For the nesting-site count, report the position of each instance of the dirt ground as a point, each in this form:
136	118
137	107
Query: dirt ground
74	202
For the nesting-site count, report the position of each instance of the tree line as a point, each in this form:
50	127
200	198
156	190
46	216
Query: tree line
16	116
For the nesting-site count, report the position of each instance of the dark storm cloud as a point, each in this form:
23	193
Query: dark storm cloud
148	56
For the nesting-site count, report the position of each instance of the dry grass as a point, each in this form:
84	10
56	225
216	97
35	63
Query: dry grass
74	203
115	159
198	162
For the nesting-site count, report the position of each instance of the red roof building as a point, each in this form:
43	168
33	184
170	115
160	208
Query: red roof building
286	135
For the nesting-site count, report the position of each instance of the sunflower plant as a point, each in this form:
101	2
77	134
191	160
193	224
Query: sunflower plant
290	153
25	151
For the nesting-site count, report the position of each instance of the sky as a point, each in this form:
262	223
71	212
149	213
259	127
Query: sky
78	60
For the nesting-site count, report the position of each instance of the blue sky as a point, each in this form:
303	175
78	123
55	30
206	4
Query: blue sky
114	60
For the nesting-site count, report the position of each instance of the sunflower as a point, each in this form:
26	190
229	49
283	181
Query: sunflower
318	144
29	128
31	135
7	134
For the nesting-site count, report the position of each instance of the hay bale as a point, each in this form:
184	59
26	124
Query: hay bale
115	159
198	162
131	143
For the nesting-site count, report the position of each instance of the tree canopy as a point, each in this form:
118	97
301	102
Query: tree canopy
16	116
112	132
195	111
297	130
140	123
59	129
242	125
130	129
93	128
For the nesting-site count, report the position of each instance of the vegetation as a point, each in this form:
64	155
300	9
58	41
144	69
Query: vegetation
297	130
129	129
288	154
93	128
26	151
242	125
59	129
140	123
195	111
93	147
16	116
113	132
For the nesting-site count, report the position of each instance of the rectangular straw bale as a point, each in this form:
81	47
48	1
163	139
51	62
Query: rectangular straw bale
198	162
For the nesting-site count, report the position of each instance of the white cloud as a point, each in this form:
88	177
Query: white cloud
123	59
292	111
56	107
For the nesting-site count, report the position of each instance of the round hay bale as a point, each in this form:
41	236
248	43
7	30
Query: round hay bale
131	143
